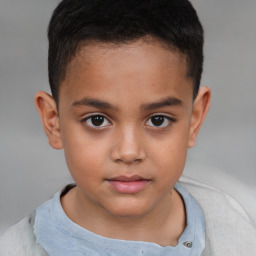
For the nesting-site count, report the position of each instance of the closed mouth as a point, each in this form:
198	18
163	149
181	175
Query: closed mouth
128	179
128	184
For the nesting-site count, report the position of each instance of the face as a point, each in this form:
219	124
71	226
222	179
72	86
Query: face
126	119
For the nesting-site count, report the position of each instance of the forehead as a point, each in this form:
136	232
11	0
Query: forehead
108	70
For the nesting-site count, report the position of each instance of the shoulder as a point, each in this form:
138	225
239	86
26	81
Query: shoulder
20	240
229	229
208	196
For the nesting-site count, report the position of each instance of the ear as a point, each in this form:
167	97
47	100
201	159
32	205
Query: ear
200	109
48	112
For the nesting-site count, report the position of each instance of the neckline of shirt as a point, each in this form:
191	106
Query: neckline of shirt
194	231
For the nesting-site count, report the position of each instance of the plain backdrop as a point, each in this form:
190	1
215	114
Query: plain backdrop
225	154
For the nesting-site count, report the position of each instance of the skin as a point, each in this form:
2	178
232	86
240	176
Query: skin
127	77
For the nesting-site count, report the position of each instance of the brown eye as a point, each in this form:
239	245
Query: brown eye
157	120
160	121
97	121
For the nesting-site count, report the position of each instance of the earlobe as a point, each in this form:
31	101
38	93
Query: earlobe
48	112
200	108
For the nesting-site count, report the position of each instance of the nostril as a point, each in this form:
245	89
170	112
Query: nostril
128	148
128	158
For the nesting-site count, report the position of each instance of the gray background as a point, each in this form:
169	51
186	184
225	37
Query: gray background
30	171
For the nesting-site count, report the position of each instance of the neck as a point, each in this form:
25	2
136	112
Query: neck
162	225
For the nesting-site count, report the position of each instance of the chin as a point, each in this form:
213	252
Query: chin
128	210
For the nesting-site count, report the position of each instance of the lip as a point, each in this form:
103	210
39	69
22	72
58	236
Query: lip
128	184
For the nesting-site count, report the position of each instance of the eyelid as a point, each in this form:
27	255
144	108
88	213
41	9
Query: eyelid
90	115
164	115
171	120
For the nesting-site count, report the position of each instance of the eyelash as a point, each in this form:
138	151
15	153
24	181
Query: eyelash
85	120
166	118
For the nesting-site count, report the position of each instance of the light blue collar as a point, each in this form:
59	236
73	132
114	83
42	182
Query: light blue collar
58	235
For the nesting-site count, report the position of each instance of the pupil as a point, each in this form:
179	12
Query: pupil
157	120
97	120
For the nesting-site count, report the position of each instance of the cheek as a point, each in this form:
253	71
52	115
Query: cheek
84	155
169	155
171	159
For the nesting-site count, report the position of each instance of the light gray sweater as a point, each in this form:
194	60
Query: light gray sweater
229	230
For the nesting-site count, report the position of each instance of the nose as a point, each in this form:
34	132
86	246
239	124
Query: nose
129	147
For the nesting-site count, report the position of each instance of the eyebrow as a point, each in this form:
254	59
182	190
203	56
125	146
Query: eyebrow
169	101
94	103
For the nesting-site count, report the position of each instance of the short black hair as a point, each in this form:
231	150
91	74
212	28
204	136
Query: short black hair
172	22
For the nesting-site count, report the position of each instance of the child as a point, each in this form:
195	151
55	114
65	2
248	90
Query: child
125	107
